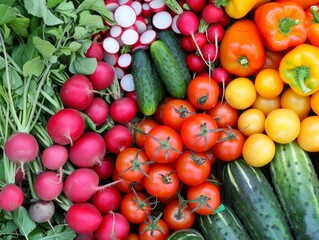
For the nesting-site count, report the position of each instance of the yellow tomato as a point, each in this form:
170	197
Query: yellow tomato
258	150
268	83
282	125
240	93
295	102
314	102
266	105
251	121
308	138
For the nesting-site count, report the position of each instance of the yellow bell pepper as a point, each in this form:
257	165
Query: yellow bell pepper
299	69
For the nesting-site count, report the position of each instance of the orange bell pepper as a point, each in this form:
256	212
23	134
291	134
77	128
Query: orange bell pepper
312	24
305	3
282	24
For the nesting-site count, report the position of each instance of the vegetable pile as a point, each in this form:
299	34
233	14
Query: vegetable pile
159	119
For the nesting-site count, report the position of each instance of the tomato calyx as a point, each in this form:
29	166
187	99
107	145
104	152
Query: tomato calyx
152	224
230	134
137	166
197	160
182	205
166	146
142	204
182	111
202	200
204	133
167	178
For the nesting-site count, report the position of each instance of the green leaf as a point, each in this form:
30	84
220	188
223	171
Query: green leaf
72	47
61	232
22	219
6	32
20	26
7	14
2	63
82	65
80	33
53	3
55	32
14	79
37	234
91	21
67	9
33	67
8	2
44	47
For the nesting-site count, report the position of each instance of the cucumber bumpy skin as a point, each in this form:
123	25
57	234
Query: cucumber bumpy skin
186	234
297	187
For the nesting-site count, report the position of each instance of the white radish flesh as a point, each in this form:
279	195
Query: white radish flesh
146	10
148	37
129	37
162	20
119	72
137	6
140	24
111	45
174	26
157	6
127	2
127	83
116	31
111	5
125	16
111	58
125	60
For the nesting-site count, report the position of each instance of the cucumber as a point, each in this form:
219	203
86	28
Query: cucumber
297	187
168	69
160	86
185	234
146	86
222	225
173	43
254	201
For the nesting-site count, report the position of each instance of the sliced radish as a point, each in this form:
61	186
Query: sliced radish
174	26
146	10
111	45
162	20
119	72
127	2
148	37
137	6
116	31
111	5
124	60
139	45
147	1
140	24
129	37
157	6
134	27
125	16
111	58
127	83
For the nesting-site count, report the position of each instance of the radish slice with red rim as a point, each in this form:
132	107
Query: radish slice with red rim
129	37
148	37
127	83
137	6
157	6
162	20
124	60
116	31
127	2
174	26
140	24
119	72
111	58
146	10
139	45
111	45
125	16
111	5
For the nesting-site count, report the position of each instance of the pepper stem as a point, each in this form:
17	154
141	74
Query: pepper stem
243	61
302	73
285	25
314	11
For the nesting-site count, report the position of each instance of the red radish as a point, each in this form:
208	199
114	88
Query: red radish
18	178
97	111
66	126
21	148
195	63
88	150
48	186
174	26
11	197
139	45
212	14
123	110
225	20
41	211
129	37
210	52
119	72
111	5
89	236
131	95
106	167
200	39
187	23
215	33
127	2
196	5
114	226
186	44
141	25
157	6
111	58
81	184
125	16
111	45
83	218
127	83
146	10
125	60
103	76
95	51
162	20
77	92
148	37
118	138
220	75
116	31
137	6
109	199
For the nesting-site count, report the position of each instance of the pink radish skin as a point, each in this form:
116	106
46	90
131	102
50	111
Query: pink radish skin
118	138
127	2
48	186
225	20
113	226
212	14
196	5
88	150
41	211
187	23
146	10
157	6
89	236
66	126
195	63
210	52
139	45
95	51
83	218
215	33
107	200
54	156
103	76
123	110
200	39
21	148
11	197
220	75
98	111
186	44
77	92
105	169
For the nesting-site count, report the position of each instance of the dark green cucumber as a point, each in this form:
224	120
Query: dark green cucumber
168	69
146	86
254	201
160	86
297	187
222	225
173	43
185	234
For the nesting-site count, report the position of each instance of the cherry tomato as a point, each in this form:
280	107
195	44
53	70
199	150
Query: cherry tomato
133	236
268	83
158	115
127	186
266	105
308	136
163	144
154	229
224	114
199	132
141	128
251	121
314	100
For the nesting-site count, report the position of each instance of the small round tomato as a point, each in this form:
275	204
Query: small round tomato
178	216
158	115
133	236
163	144
192	168
293	101
127	186
162	181
224	114
204	198
240	93
282	125
251	121
268	83
199	132
308	138
203	92
314	100
132	164
154	229
266	105
141	128
176	111
258	150
229	144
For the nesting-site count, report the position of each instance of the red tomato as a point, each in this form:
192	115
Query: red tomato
163	144
162	181
205	197
224	114
158	115
141	128
199	132
155	229
192	168
127	186
229	144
